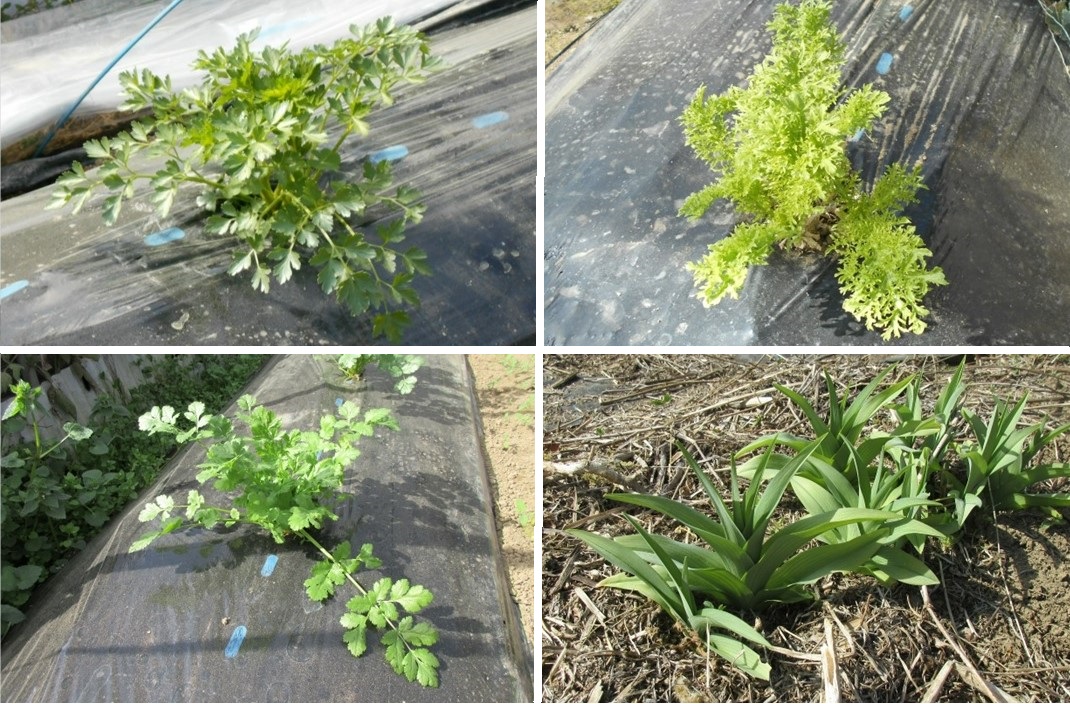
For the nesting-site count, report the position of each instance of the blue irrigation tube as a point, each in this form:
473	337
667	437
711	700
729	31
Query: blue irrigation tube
98	79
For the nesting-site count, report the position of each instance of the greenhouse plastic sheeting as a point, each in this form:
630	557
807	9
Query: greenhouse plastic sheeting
466	140
980	99
50	58
160	624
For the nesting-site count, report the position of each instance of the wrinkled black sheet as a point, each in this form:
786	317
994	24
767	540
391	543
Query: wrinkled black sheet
980	98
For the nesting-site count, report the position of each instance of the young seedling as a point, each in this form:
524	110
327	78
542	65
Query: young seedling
779	145
253	139
525	518
286	482
402	367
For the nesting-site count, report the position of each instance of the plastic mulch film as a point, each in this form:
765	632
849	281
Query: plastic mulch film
222	615
981	99
466	140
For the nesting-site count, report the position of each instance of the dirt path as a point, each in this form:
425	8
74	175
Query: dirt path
505	388
567	20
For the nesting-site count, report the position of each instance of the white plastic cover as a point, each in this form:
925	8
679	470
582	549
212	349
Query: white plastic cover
43	73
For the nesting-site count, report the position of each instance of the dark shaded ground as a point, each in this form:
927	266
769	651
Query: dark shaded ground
1005	591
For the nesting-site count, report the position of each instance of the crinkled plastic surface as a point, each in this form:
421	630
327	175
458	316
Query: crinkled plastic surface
222	615
466	140
49	60
980	99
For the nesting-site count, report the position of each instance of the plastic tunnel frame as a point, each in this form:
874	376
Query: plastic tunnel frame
980	100
222	615
466	140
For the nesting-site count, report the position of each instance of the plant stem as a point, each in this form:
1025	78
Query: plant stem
305	534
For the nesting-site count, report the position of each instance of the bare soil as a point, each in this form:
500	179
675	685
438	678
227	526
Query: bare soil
567	21
505	389
1004	597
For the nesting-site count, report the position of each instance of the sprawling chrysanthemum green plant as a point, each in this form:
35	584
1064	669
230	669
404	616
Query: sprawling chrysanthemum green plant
779	146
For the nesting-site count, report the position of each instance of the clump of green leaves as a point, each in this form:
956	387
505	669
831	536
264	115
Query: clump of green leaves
779	145
286	482
746	565
55	497
32	494
873	497
402	367
1000	463
253	138
525	518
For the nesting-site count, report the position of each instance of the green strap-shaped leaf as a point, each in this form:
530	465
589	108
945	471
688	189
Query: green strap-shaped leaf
728	526
718	618
740	655
816	421
892	564
683	591
701	524
780	548
722	586
698	557
866	404
774	491
660	590
815	563
795	442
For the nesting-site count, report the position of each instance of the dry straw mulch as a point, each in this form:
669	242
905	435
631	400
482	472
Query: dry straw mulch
999	624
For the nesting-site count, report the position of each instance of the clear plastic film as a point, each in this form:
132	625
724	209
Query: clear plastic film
48	63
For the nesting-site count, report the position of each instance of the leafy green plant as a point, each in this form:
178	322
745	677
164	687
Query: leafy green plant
51	505
521	369
999	464
1057	17
779	146
525	518
253	139
286	483
745	566
34	496
402	367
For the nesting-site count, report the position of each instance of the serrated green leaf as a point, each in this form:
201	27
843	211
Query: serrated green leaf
342	551
299	518
362	603
390	325
324	577
262	279
354	620
94	149
421	633
170	525
417	665
330	274
149	513
355	640
411	598
144	541
77	431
